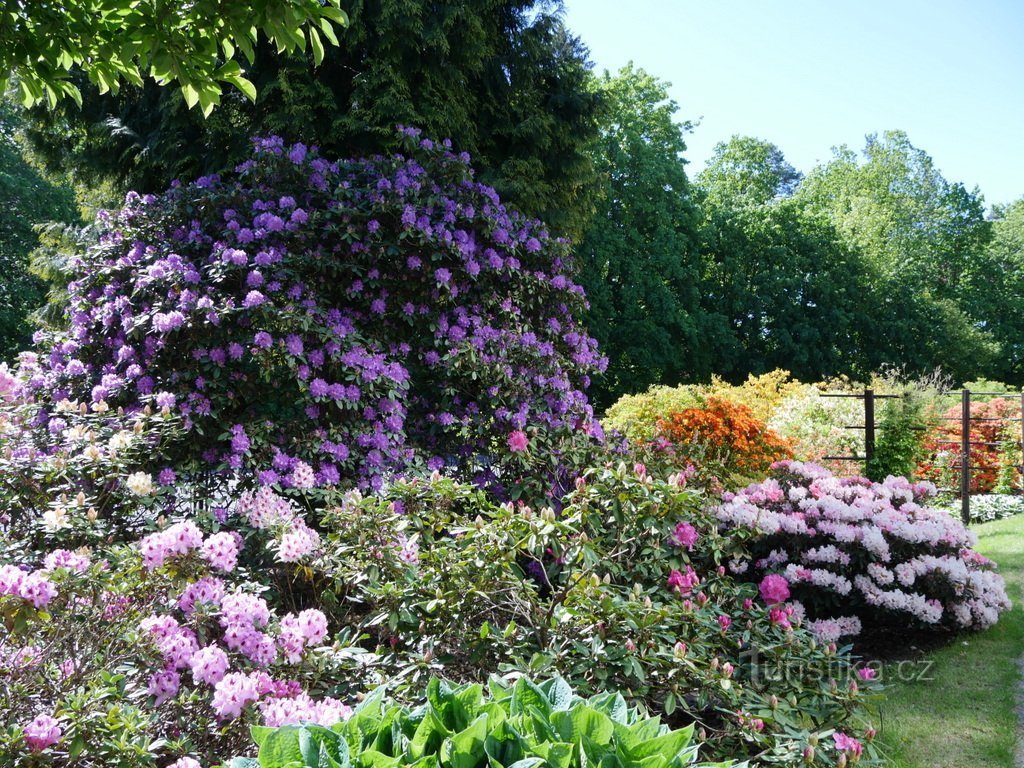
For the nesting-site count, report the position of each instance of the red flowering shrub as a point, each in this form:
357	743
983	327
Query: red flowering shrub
991	423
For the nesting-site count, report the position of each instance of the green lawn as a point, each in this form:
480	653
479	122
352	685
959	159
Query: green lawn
962	714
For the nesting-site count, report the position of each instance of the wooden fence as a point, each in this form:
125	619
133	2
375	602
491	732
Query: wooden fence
964	468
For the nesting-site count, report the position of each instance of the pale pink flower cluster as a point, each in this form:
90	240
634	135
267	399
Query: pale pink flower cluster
65	558
209	665
32	586
829	553
298	632
221	550
178	539
265	509
916	560
208	590
234	692
408	549
292	710
43	732
818	577
830	630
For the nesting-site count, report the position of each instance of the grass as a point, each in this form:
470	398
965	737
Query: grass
962	710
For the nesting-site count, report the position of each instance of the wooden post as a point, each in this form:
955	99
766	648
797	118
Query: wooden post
965	458
869	425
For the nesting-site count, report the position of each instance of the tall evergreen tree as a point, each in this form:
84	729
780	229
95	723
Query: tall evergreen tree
503	79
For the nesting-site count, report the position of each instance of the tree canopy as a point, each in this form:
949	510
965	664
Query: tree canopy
124	41
638	259
503	79
748	170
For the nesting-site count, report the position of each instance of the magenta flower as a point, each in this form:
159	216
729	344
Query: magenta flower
518	441
683	582
724	621
685	535
846	743
867	673
42	732
774	589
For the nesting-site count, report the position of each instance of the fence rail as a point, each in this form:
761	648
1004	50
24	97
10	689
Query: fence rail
965	419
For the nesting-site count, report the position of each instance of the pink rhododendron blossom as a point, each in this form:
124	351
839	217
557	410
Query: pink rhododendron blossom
685	535
724	621
774	589
846	743
518	441
683	583
64	558
221	551
43	732
163	685
209	665
233	693
300	709
185	762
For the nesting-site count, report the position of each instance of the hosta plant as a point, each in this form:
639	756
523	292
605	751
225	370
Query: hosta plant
520	725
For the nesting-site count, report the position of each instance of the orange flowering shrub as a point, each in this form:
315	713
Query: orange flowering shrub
728	433
996	423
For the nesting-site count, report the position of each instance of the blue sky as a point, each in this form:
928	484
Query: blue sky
812	74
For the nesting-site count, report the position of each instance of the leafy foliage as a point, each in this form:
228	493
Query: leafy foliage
924	237
503	79
747	171
27	199
459	726
115	41
638	259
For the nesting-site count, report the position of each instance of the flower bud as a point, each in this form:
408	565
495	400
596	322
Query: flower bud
808	754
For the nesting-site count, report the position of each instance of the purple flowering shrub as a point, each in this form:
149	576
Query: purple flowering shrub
319	323
856	555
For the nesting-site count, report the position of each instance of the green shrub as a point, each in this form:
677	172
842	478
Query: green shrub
636	416
458	586
522	725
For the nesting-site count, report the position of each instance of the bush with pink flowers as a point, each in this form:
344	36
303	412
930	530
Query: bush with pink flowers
849	555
